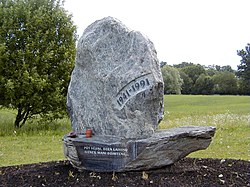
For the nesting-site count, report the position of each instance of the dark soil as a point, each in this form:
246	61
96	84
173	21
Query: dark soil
187	172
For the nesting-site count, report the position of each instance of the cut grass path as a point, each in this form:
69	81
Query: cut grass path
41	142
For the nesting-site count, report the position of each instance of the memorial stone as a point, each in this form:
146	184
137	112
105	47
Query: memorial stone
116	87
115	103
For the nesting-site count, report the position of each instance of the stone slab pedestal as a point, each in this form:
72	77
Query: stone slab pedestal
109	153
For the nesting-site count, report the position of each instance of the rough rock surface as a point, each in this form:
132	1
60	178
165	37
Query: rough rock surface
166	147
102	153
116	87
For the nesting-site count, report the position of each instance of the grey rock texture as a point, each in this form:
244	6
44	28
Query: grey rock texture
166	147
116	87
105	153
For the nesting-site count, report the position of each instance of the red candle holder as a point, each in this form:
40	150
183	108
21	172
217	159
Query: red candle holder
88	133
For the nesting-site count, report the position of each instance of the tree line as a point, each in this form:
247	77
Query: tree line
189	78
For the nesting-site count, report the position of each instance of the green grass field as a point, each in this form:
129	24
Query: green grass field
229	114
41	142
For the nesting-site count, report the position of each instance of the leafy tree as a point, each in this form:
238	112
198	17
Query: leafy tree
214	69
187	85
37	51
218	68
225	83
194	71
172	80
183	64
211	72
204	85
227	68
244	70
162	63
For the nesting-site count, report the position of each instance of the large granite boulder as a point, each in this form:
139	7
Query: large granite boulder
116	92
116	87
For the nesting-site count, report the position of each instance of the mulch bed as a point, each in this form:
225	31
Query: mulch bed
186	172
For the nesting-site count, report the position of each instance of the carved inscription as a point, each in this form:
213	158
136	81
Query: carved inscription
134	87
108	151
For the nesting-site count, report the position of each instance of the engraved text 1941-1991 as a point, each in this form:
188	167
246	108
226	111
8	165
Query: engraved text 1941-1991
131	89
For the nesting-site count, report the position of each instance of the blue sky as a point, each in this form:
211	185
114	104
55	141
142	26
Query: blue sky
198	31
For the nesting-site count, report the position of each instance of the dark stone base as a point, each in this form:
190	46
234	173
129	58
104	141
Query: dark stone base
105	153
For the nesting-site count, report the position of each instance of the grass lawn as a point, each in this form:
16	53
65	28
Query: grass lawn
34	142
229	114
41	142
30	149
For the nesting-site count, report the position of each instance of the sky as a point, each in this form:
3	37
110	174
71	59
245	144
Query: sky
203	32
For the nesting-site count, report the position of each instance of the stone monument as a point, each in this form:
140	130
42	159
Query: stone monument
115	103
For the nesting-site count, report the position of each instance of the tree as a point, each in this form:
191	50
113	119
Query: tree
211	72
183	64
194	71
162	63
225	83
244	70
187	85
172	80
37	52
227	68
204	85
